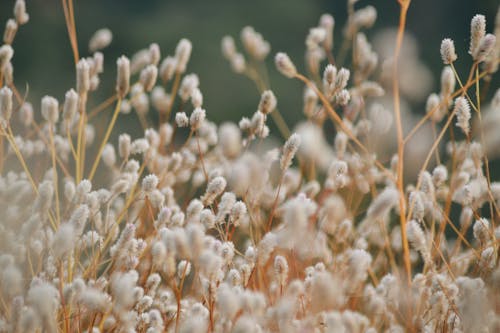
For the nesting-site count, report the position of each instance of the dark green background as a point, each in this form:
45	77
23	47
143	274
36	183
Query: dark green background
43	57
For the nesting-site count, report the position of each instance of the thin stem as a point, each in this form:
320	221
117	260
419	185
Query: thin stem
399	127
173	93
54	173
105	139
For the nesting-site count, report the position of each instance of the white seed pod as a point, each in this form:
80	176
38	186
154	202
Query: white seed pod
238	212
8	74
167	68
50	109
462	110
342	79
183	269
197	118
343	97
289	150
448	81
477	32
284	65
82	76
20	12
207	218
281	270
181	119
486	46
215	187
10	31
439	175
149	183
148	77
228	47
310	102
364	17
254	43
417	205
124	144
109	155
447	50
70	105
182	55
197	98
122	76
238	63
154	54
64	240
26	114
267	102
139	146
417	239
160	99
6	54
481	230
327	22
432	105
5	105
100	39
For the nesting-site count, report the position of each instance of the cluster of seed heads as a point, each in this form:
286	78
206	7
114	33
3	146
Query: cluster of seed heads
199	227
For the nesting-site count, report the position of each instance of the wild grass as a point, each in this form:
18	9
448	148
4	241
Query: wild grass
204	227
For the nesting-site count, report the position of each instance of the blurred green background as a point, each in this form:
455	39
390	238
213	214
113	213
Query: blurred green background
43	57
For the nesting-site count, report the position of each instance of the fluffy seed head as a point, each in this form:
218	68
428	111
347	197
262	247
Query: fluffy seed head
462	110
281	269
167	68
329	76
182	55
289	149
327	22
481	230
342	78
267	102
6	54
448	81
26	114
215	187
432	107
122	76
50	109
124	143
10	31
197	98
485	47
254	43
417	239
149	183
109	155
20	12
477	32
5	105
100	39
285	65
448	53
82	76
181	119
148	77
154	54
228	47
70	104
197	118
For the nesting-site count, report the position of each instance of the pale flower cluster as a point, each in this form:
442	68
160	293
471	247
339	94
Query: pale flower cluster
199	227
